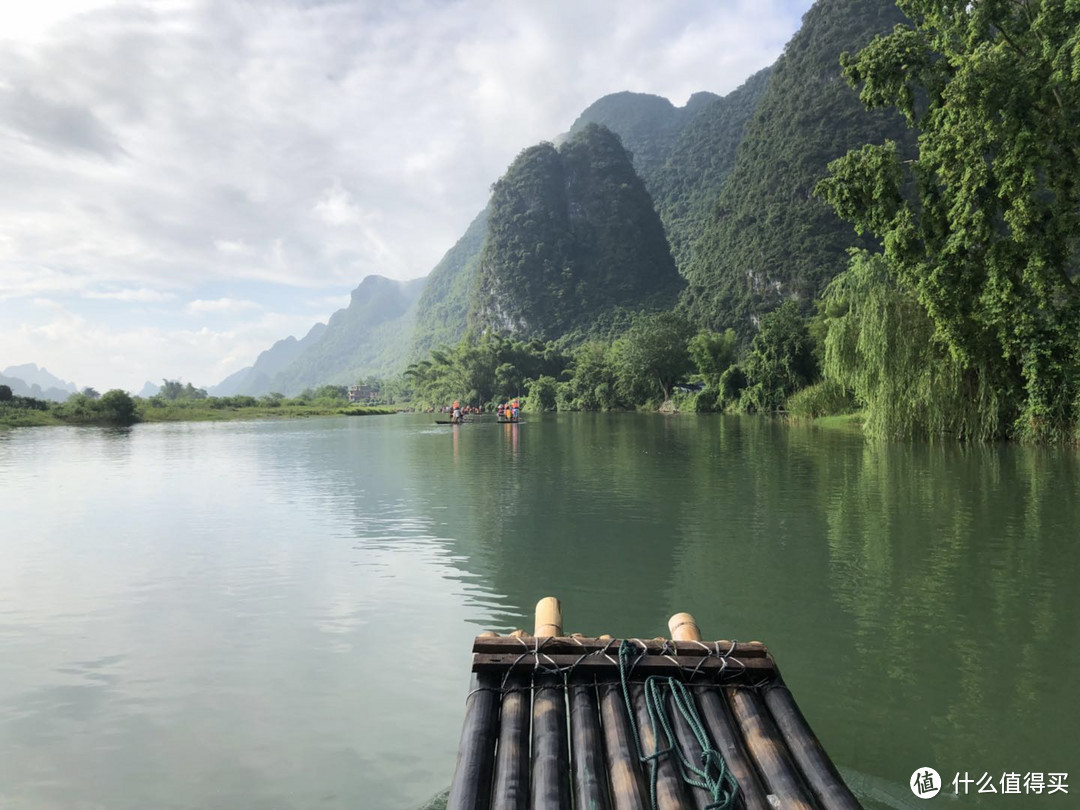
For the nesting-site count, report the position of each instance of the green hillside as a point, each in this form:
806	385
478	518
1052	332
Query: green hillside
443	307
769	238
572	235
688	183
370	336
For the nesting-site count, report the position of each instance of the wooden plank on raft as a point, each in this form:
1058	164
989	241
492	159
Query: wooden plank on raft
471	786
511	789
578	645
818	770
736	668
587	746
550	749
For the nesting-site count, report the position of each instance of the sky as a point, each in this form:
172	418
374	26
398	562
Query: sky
184	182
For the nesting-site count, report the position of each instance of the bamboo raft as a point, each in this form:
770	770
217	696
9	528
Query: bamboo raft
554	722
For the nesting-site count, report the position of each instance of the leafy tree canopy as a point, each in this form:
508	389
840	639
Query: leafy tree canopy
780	361
652	356
981	228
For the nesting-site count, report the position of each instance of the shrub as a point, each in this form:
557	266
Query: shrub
825	398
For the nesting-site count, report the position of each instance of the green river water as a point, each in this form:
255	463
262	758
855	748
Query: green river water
278	614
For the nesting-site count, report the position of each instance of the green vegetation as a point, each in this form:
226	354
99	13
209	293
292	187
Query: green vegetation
652	357
780	360
978	278
642	368
116	408
480	372
175	403
884	223
698	163
827	398
572	237
769	239
443	308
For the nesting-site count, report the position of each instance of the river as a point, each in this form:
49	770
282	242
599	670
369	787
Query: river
278	614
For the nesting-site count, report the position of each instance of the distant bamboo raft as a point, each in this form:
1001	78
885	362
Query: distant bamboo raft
557	722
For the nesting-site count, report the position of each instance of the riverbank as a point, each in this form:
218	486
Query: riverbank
147	413
849	422
209	414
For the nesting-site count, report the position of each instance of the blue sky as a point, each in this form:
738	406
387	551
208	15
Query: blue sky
182	182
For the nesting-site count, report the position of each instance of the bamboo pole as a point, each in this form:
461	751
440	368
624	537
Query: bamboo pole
778	771
548	618
586	744
691	748
511	790
471	787
683	628
628	791
721	725
669	784
550	751
829	788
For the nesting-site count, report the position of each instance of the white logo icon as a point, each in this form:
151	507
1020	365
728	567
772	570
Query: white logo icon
925	783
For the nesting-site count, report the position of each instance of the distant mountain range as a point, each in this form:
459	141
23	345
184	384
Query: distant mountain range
370	336
708	207
28	380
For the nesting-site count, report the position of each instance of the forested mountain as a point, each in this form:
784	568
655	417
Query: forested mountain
443	307
682	154
370	336
572	237
698	163
648	125
770	238
256	379
652	129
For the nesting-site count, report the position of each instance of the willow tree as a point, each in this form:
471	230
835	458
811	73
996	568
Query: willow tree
981	228
881	345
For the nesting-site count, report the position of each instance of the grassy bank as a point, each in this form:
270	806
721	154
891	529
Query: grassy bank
14	417
197	413
844	421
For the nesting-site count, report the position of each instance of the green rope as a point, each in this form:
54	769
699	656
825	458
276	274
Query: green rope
711	774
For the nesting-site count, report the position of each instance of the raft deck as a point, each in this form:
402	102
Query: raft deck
556	722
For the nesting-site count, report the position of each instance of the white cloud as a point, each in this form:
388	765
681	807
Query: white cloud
221	305
28	21
232	247
141	295
337	207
